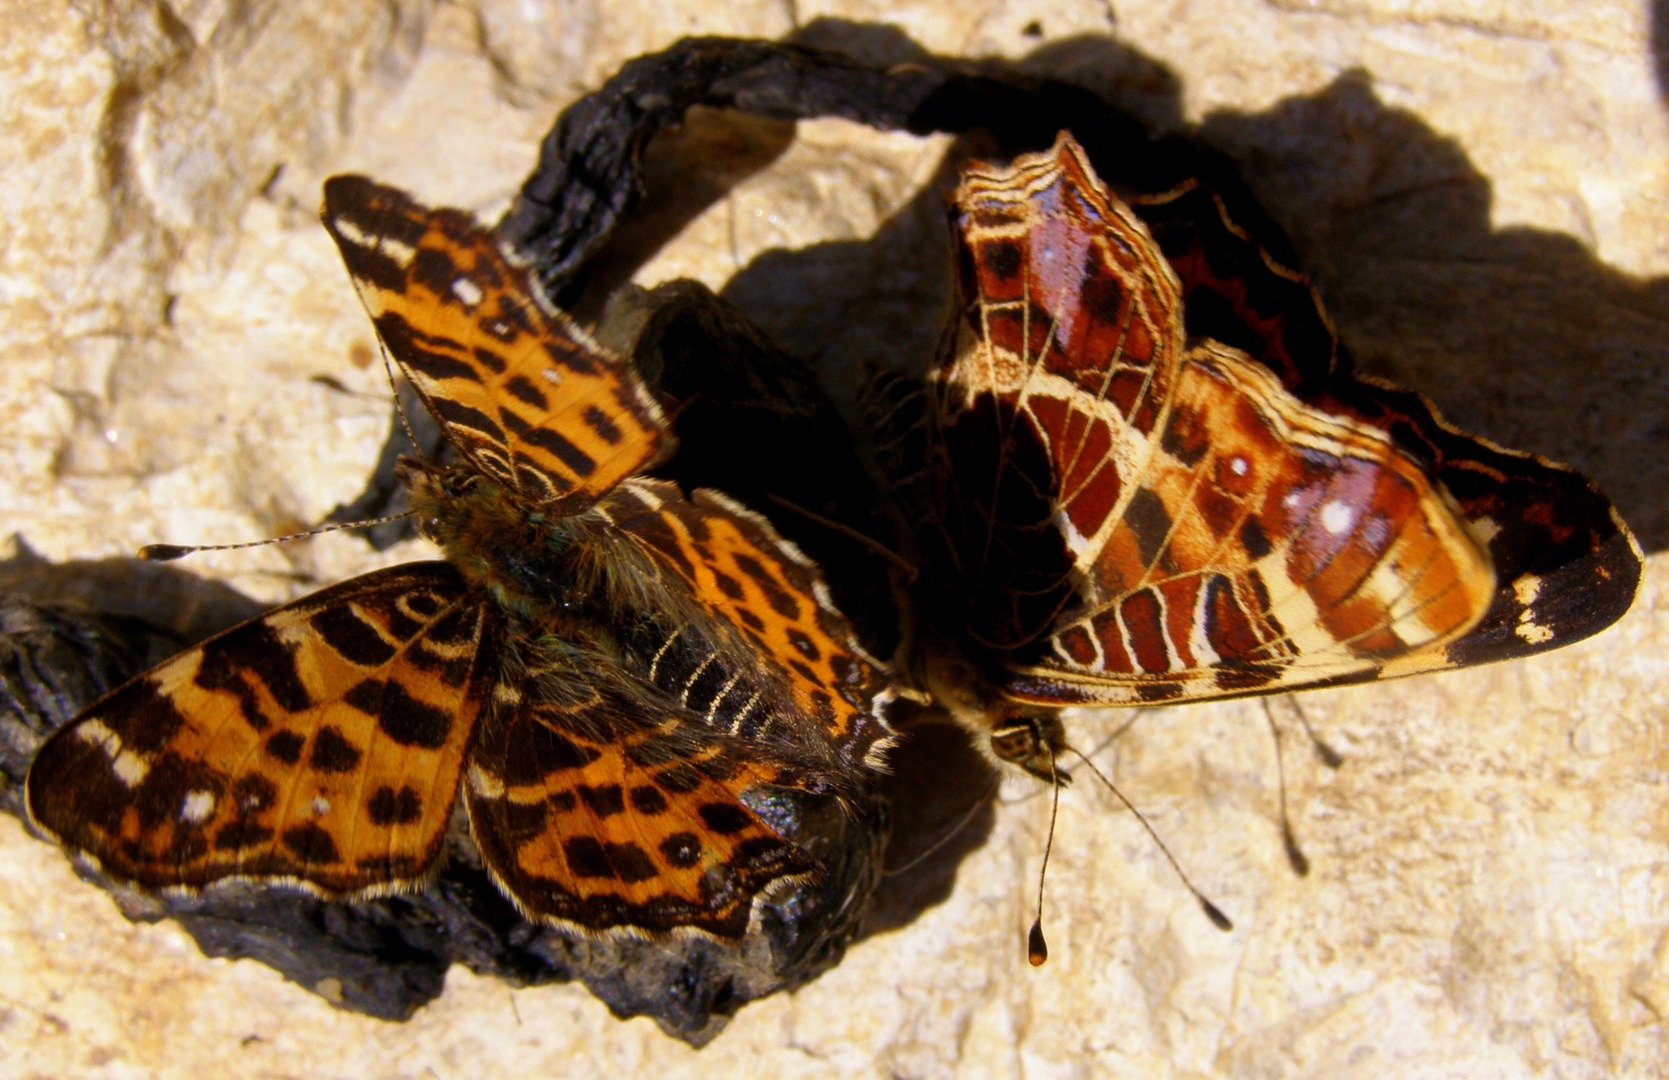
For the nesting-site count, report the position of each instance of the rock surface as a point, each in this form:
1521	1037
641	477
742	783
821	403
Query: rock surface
1481	190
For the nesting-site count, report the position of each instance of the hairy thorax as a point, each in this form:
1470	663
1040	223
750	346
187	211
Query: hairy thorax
523	559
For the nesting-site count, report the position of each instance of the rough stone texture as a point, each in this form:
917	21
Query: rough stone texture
1480	187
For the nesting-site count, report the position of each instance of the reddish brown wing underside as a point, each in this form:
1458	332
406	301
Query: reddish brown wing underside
1268	547
321	743
1054	385
518	390
1158	524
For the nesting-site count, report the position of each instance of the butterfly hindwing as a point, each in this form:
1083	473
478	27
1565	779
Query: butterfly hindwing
1566	565
745	576
320	743
1268	547
518	390
597	801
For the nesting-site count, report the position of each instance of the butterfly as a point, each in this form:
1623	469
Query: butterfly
1144	474
641	700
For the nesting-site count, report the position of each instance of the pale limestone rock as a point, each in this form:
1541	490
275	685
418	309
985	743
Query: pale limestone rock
1479	180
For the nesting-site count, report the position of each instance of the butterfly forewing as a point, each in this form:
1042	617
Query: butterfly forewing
517	389
1054	390
321	743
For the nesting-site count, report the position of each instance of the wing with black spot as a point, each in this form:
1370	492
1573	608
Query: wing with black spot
598	802
521	393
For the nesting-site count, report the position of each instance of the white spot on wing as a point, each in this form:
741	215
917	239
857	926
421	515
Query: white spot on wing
1336	517
197	806
1525	590
129	768
320	806
401	253
467	291
551	375
484	784
1238	466
94	731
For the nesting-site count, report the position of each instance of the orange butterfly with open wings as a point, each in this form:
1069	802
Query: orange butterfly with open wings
636	693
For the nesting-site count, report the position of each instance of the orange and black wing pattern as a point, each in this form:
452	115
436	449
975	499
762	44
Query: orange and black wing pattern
320	744
745	578
650	701
1138	515
518	389
656	784
597	802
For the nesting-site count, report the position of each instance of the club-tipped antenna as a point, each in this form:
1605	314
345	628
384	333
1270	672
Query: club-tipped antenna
1296	858
1212	911
170	552
1037	947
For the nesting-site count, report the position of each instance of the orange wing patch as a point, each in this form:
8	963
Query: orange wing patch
517	388
320	743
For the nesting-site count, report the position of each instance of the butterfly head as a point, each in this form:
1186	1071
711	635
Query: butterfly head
495	540
1031	738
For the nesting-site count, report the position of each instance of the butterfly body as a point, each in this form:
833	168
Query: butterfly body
643	700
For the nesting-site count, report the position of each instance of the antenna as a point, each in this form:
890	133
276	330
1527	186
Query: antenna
170	552
978	805
399	409
1329	756
903	564
1212	911
1037	949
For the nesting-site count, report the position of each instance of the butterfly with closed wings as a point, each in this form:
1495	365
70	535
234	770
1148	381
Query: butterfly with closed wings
1112	507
